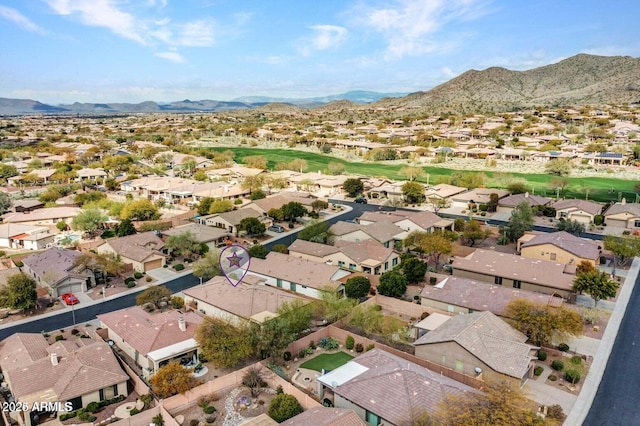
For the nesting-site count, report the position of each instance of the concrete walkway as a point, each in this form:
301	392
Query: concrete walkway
548	395
583	345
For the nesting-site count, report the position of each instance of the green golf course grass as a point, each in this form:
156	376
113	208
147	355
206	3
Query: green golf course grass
327	361
599	187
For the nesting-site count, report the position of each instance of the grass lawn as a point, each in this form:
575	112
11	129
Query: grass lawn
327	361
599	186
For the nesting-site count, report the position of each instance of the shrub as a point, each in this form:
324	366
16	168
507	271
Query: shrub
68	416
209	409
129	280
148	279
572	376
538	370
178	267
557	365
177	302
553	378
287	356
86	417
556	412
19	264
312	344
563	347
576	360
370	346
283	407
359	348
237	201
279	390
194	422
433	280
137	275
75	331
349	342
59	337
146	399
93	407
210	419
542	355
131	284
134	411
302	353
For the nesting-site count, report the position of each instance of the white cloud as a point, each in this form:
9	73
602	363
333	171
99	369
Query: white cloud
19	19
448	72
196	33
410	28
328	36
101	13
171	56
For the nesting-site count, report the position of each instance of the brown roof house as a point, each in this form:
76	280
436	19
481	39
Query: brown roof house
464	296
385	389
424	221
250	300
229	221
25	237
55	269
298	275
45	216
69	371
559	247
623	215
480	345
579	210
141	250
368	256
212	237
152	340
386	233
325	416
507	204
517	272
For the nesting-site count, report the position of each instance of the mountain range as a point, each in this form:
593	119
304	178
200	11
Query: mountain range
578	80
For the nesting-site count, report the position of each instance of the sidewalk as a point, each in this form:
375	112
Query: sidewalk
548	395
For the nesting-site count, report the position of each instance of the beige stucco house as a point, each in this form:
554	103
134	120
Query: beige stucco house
560	247
141	250
623	215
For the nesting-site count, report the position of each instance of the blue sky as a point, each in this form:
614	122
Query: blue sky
61	51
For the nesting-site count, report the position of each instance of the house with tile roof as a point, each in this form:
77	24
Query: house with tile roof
55	269
458	295
152	340
507	204
623	215
510	270
45	216
297	275
326	416
476	196
368	256
579	210
25	237
211	236
229	221
383	388
386	233
561	247
76	371
480	344
141	250
424	221
249	301
276	201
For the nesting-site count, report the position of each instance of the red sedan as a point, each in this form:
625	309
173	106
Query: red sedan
70	299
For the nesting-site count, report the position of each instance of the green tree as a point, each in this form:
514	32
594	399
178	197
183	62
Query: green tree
220	206
89	221
333	305
140	210
318	205
252	226
357	287
468	179
521	221
623	248
259	251
392	284
559	184
257	195
411	173
7	171
335	168
540	322
271	338
280	248
255	161
473	231
172	379
208	266
205	205
571	226
492	205
153	295
518	187
124	228
19	292
558	167
297	314
5	203
413	270
293	210
283	407
353	187
88	197
317	232
584	266
253	183
596	284
434	245
223	343
62	225
413	192
185	244
276	214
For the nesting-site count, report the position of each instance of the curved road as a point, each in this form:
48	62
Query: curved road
82	315
616	401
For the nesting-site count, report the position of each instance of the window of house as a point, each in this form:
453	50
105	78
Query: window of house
108	392
279	282
292	286
459	366
552	256
517	283
352	266
563	214
636	224
498	280
386	266
449	308
340	264
394	261
372	418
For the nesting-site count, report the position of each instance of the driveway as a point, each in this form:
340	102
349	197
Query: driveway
163	274
548	395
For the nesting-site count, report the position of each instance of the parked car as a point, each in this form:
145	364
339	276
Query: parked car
361	200
276	228
70	299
